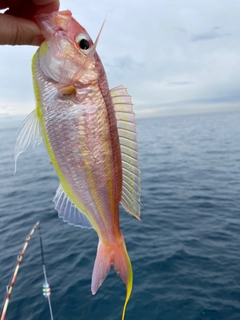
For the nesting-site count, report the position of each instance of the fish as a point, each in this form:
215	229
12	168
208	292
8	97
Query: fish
90	134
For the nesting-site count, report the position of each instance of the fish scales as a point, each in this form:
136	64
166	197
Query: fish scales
80	120
89	138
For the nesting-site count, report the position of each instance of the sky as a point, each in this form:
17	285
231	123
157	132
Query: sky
174	56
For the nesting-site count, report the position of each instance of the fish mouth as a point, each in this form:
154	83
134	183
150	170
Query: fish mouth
49	23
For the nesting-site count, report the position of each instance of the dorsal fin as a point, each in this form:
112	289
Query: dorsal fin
68	211
29	132
129	149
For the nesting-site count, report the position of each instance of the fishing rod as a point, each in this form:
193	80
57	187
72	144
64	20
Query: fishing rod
46	287
19	260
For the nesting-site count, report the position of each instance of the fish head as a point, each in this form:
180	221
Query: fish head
68	56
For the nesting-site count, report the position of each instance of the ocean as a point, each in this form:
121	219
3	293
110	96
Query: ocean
185	251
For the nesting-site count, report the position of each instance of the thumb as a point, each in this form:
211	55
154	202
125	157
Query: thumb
19	31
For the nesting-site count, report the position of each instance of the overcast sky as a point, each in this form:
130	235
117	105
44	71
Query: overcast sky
174	56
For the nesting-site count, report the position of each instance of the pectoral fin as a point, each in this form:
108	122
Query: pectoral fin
29	132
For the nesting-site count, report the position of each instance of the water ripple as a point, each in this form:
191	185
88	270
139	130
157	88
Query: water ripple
184	251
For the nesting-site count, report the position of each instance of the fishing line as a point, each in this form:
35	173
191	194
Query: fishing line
46	287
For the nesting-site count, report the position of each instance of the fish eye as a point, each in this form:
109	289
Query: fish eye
83	42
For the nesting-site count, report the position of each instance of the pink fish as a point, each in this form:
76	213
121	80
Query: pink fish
90	135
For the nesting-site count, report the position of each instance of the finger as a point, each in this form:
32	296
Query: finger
43	2
18	31
47	5
3	4
14	3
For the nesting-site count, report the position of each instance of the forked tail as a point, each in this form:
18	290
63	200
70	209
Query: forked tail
117	255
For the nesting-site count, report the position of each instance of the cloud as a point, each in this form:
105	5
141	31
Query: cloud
6	110
180	83
209	35
156	49
198	102
194	106
182	30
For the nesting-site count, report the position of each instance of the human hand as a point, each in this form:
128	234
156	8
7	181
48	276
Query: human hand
17	26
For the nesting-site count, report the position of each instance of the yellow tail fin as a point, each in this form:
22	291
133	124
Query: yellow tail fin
117	255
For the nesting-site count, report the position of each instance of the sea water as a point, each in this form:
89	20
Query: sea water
185	251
